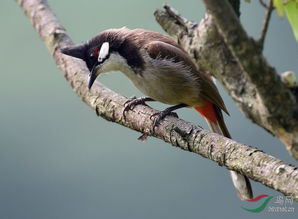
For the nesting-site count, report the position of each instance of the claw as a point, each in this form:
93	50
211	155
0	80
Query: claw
129	104
130	99
160	116
133	101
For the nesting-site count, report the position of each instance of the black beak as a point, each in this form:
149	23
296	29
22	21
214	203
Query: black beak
92	76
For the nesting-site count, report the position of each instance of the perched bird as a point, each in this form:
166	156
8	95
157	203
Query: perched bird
161	70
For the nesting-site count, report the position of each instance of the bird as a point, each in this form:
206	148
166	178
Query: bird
162	70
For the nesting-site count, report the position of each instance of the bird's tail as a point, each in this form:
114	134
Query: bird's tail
215	120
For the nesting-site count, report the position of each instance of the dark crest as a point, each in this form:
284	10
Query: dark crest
77	51
119	41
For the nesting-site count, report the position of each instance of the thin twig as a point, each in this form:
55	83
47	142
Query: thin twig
263	4
265	25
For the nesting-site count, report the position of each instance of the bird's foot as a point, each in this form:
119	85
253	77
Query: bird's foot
133	101
159	116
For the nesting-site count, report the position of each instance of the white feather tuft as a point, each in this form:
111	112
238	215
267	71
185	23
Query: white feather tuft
104	51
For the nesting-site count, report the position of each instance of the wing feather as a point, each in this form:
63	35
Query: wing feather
208	90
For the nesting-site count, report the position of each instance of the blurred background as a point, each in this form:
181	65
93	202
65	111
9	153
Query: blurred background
59	160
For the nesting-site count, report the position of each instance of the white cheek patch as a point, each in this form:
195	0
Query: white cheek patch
104	51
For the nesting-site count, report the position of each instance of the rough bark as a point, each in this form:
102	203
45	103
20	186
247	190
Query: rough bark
247	160
222	48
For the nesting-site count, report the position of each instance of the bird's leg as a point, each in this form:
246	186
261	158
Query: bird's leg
132	102
162	114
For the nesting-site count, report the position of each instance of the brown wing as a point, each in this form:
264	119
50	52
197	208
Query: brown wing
208	90
164	50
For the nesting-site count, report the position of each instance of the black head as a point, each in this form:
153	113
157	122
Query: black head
94	56
83	52
98	50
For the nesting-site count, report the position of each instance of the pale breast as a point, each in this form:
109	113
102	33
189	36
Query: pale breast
167	82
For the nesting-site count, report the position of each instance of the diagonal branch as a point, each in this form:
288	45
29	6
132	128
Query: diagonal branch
251	162
222	48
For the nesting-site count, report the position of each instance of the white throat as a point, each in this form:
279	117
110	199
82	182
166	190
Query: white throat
115	63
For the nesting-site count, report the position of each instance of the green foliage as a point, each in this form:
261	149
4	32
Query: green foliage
278	4
290	7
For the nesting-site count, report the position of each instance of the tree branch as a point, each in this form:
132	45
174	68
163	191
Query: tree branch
222	48
235	156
